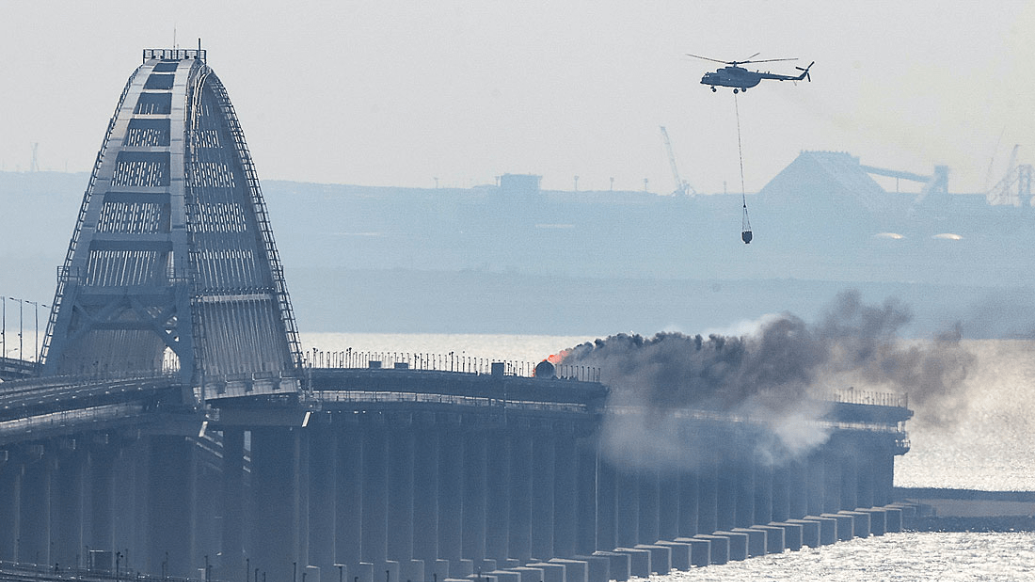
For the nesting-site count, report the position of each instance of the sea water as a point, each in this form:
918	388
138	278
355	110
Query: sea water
987	442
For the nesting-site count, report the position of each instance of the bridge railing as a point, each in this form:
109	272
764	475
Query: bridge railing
450	362
852	396
368	396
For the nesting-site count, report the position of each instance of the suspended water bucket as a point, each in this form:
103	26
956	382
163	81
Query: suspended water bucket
745	227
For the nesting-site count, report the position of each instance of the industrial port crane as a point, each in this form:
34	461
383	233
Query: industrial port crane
683	187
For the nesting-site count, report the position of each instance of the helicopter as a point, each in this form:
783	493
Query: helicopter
742	79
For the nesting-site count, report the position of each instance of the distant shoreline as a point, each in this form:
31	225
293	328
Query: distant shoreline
968	510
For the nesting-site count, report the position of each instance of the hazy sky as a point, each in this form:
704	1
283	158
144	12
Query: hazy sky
398	93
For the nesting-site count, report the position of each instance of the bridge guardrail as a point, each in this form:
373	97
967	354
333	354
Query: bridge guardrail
449	362
366	396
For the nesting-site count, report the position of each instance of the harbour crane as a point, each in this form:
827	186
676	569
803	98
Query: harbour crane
683	188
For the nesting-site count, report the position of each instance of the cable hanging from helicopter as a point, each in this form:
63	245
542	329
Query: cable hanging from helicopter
745	223
741	79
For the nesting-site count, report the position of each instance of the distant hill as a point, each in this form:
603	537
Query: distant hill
511	258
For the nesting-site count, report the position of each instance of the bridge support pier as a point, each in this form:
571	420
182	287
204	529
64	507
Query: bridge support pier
497	510
322	505
588	497
375	497
543	472
627	493
425	487
832	480
565	494
727	491
781	493
649	483
10	481
67	504
669	511
34	505
521	495
102	496
475	496
688	495
400	492
708	500
815	484
233	505
276	499
451	472
763	495
171	507
607	506
743	473
348	502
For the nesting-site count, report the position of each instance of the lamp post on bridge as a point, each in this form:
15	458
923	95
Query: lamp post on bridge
21	304
36	333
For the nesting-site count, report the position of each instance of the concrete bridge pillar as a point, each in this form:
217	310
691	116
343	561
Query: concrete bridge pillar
375	496
348	498
669	506
233	511
521	496
849	481
627	501
815	483
475	495
400	494
497	498
586	497
832	466
649	484
689	496
544	472
884	477
727	491
132	484
565	494
708	493
171	504
427	457
276	498
323	471
798	489
67	504
781	492
865	471
302	489
744	485
607	506
451	472
34	505
10	483
763	494
101	496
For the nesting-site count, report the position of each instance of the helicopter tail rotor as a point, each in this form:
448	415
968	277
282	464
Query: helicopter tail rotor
805	72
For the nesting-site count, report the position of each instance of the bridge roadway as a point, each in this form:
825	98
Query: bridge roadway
13	369
422	474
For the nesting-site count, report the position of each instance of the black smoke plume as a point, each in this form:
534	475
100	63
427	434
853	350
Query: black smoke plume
785	374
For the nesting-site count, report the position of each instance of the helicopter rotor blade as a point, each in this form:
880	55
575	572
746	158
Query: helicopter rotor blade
709	59
766	61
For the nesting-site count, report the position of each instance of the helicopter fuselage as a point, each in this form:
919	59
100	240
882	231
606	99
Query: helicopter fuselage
735	77
741	79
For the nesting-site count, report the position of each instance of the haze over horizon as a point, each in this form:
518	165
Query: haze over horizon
403	93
